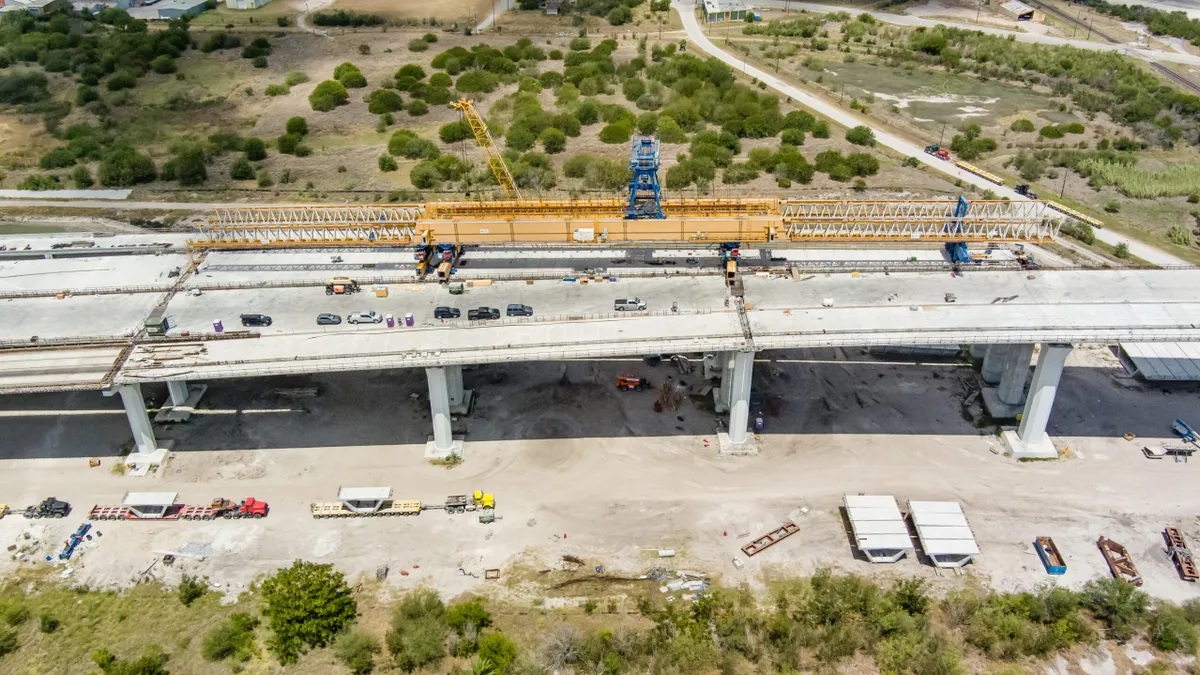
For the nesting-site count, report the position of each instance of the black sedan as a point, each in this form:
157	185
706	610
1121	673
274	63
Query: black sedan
520	310
446	313
483	314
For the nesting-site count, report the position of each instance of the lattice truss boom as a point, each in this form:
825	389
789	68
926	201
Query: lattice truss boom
935	220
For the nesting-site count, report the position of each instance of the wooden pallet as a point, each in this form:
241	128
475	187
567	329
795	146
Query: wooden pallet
771	538
1179	552
1119	562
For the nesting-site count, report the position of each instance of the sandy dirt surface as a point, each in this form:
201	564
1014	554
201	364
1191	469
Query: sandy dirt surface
580	468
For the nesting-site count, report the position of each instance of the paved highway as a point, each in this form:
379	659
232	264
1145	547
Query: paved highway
849	119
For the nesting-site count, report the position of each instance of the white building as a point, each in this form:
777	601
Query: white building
716	11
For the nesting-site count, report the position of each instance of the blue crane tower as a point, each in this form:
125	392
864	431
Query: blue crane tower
645	194
957	250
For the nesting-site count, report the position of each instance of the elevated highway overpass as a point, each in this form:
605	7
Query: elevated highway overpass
88	341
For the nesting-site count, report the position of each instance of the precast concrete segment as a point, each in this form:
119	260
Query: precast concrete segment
33	370
139	419
1016	372
739	409
1031	439
993	363
439	408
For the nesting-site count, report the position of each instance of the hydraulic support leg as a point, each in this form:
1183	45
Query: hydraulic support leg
1030	439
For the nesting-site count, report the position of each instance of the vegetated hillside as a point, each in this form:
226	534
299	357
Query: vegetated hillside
307	618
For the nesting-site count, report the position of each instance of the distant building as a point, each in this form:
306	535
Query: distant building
35	7
245	4
717	11
165	10
1015	9
553	6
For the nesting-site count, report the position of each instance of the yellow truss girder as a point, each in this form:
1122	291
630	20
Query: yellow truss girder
484	137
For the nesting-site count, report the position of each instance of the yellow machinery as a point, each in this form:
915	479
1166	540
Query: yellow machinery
485	500
467	107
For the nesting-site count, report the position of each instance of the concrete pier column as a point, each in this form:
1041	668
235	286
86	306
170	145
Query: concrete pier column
443	443
139	420
993	363
1030	439
179	391
739	409
978	351
722	394
1016	372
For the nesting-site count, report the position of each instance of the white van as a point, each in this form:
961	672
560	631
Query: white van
628	305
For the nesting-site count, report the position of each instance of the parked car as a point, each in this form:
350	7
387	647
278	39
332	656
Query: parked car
328	319
519	310
483	314
256	320
446	313
364	317
628	305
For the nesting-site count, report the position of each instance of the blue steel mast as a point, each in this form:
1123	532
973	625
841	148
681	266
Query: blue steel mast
645	194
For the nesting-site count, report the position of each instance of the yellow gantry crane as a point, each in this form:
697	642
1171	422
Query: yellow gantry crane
467	107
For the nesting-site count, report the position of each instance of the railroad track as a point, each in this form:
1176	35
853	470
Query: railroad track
1164	70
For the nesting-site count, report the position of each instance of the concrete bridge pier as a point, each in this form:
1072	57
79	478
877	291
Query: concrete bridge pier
184	398
1030	441
738	441
1005	401
721	367
443	444
993	363
148	450
461	400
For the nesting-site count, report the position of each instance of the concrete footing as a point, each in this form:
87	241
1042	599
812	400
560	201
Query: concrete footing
997	409
176	411
1042	449
728	447
432	451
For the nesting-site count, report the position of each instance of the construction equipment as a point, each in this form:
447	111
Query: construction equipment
365	502
341	286
494	159
1178	551
459	504
1186	432
227	509
162	506
1052	560
1023	190
1119	562
771	538
4	510
937	152
74	541
731	252
48	508
645	194
484	500
957	250
627	382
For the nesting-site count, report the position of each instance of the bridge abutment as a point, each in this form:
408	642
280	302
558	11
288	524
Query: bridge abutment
1030	441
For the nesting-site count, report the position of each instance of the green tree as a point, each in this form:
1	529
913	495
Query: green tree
384	101
287	143
163	64
633	88
356	649
387	163
58	158
1122	606
416	108
124	167
620	15
454	132
1121	250
306	605
82	177
241	170
471	613
190	169
297	125
1022	126
417	73
616	133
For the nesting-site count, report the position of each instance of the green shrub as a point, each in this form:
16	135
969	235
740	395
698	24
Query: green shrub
36	182
8	641
418	630
387	163
553	140
1179	235
328	95
82	177
579	44
256	149
417	73
1079	230
1122	606
124	167
163	64
384	101
470	613
820	129
417	108
441	80
295	77
617	133
861	135
192	588
738	173
261	62
498	649
619	15
58	158
417	45
277	90
863	164
287	143
1121	250
356	648
297	125
477	81
1170	630
454	132
1112	206
1073	128
577	166
1022	126
233	638
1051	131
241	170
47	624
122	79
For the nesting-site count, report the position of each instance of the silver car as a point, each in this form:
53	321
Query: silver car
364	317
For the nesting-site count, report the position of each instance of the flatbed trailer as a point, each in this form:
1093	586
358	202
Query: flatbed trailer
986	175
1119	562
109	512
1178	551
405	507
771	538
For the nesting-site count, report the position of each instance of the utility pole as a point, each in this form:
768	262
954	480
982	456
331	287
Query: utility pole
942	135
1063	191
978	8
1089	35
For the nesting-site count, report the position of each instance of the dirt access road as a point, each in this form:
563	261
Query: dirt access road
580	468
848	119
